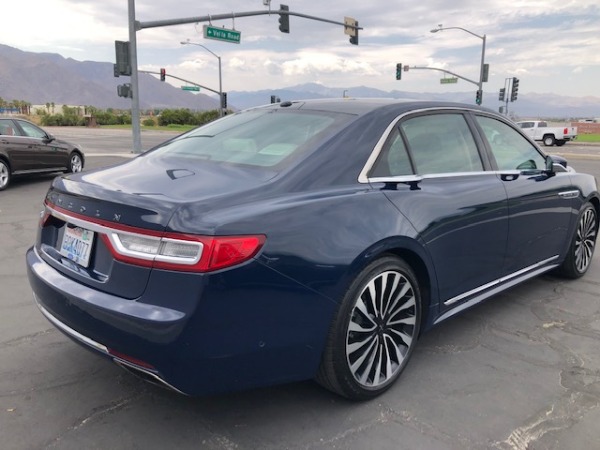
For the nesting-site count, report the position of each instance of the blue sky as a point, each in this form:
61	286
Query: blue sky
552	46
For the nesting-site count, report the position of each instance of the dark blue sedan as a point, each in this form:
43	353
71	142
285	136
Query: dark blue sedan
301	240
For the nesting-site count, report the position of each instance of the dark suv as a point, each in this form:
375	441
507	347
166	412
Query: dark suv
26	148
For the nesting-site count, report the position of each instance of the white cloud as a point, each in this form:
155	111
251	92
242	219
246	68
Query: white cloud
543	41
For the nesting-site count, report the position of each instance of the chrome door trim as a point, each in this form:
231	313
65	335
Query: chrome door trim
569	194
499	281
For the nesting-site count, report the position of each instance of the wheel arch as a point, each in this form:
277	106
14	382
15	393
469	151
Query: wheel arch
5	160
595	201
416	257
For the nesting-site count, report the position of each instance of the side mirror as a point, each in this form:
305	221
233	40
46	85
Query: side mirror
48	138
555	163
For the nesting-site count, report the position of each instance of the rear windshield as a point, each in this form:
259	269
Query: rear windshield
264	138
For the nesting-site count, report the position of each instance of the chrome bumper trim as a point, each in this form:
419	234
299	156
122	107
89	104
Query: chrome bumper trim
70	331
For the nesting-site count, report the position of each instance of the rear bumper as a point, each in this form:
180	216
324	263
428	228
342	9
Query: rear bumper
142	372
265	330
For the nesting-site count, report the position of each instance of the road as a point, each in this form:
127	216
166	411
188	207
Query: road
521	371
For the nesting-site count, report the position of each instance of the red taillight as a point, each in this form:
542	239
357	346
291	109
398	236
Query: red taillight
227	251
188	253
566	131
169	251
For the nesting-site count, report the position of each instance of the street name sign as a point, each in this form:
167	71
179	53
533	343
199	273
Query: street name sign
448	80
190	88
222	34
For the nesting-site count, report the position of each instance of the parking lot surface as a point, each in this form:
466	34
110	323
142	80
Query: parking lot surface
520	371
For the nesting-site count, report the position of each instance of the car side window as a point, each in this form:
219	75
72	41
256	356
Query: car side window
393	159
510	149
32	131
6	128
441	143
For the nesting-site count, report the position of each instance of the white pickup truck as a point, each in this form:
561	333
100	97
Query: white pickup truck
540	131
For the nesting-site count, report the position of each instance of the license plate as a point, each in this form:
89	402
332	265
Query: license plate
77	245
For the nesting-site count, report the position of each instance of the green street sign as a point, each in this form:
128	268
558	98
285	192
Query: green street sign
190	88
222	34
448	80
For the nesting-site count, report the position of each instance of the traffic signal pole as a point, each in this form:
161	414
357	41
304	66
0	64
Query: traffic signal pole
135	26
476	83
135	91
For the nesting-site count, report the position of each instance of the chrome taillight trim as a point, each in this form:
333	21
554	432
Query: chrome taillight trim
113	233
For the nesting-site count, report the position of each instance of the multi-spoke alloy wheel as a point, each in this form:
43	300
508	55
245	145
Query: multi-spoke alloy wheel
4	175
75	163
585	239
381	329
374	331
581	250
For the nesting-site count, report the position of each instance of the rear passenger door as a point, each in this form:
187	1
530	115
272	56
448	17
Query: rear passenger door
458	208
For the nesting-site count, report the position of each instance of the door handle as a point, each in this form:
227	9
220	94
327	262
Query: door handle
510	176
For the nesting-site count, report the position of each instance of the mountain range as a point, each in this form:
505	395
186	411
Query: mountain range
41	78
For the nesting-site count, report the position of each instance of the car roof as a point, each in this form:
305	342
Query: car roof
361	106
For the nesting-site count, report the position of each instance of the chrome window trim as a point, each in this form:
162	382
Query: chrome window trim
418	178
363	176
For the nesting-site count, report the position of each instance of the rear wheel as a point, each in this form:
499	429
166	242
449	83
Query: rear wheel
4	174
581	250
75	163
549	140
374	332
560	143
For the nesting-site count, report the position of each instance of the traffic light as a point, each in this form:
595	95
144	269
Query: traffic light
123	65
479	96
163	74
124	90
223	100
399	71
350	29
486	73
502	94
514	89
284	19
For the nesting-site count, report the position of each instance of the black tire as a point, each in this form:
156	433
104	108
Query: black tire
374	331
5	175
561	142
581	250
549	140
75	162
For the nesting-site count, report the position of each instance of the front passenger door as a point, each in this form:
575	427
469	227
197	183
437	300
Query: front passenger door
539	203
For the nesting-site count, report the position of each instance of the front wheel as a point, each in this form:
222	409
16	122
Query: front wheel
583	242
549	140
4	174
75	163
374	332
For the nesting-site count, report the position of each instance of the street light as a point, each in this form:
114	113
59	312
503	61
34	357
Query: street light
480	85
220	79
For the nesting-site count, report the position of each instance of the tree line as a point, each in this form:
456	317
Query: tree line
90	115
